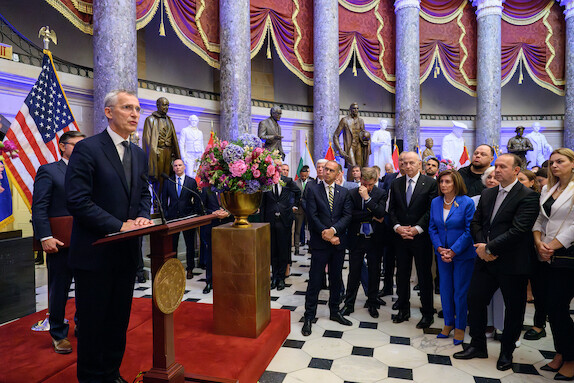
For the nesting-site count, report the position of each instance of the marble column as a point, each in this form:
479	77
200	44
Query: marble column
235	61
488	115
115	52
407	101
325	75
569	75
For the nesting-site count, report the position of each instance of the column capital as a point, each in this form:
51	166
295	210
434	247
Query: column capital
400	4
488	7
568	8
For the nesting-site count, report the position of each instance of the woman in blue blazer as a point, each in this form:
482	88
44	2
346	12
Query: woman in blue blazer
449	228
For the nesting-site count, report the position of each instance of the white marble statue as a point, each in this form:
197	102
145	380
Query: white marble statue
453	143
191	146
382	146
542	148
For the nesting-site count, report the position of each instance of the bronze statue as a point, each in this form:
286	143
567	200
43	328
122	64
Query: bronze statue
519	145
270	131
160	142
356	140
428	151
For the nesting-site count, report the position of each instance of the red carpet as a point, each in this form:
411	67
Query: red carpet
27	356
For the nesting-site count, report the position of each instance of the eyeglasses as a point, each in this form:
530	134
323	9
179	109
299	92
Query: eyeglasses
128	108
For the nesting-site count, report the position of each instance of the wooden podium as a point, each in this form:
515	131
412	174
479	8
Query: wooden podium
165	368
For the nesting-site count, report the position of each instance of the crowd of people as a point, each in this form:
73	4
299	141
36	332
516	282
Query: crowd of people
492	231
500	235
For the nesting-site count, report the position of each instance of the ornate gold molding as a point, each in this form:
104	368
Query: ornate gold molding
549	35
68	14
306	67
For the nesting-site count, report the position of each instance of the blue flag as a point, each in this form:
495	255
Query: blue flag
6	214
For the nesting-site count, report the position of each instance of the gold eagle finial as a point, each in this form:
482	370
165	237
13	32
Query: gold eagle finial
48	34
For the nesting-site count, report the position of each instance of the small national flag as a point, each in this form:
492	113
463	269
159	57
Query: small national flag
330	155
464	159
495	147
395	157
306	159
209	143
43	118
418	151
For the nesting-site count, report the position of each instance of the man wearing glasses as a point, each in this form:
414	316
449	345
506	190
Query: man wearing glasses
106	193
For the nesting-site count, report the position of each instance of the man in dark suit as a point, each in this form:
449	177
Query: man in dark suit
301	183
365	229
106	193
328	208
277	209
47	202
409	212
502	233
178	202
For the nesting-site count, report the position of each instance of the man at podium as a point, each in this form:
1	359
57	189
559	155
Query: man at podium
106	192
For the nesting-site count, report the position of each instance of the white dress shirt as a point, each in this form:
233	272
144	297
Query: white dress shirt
117	140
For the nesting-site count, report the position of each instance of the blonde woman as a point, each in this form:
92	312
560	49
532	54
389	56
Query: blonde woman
553	234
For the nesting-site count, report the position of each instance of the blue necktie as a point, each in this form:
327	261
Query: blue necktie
178	186
410	192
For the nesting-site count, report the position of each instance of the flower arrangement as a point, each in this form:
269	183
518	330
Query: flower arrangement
445	164
239	166
8	149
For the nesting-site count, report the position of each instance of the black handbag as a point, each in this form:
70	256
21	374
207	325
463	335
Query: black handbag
563	257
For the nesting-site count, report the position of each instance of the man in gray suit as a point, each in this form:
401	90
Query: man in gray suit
270	131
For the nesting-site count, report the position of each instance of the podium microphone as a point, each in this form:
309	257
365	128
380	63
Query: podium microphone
163	220
165	176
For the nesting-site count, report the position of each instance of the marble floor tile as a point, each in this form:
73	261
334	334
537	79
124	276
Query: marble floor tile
366	338
289	360
398	355
435	373
328	348
312	375
359	369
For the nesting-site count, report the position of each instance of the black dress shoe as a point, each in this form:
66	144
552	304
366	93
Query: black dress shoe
346	310
381	302
280	285
141	278
189	274
340	319
273	284
504	362
470	353
401	317
546	367
373	312
306	330
563	378
207	288
417	287
396	305
426	321
440	314
534	335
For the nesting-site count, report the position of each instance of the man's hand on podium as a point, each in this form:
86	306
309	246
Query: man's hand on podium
138	223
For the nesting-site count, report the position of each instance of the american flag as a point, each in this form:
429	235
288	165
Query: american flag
43	118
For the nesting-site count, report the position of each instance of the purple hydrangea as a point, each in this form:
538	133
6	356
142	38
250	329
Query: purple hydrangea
251	140
232	153
252	186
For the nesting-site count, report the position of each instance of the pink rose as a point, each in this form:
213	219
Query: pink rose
270	170
224	144
238	168
258	151
268	159
256	173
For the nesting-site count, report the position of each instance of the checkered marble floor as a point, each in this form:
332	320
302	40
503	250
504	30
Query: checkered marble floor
371	350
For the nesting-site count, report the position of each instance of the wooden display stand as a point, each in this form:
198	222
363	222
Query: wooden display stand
165	368
241	297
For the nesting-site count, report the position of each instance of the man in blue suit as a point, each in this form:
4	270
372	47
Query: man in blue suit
328	208
106	193
47	202
178	202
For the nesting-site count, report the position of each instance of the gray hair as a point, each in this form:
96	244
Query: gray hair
322	161
485	175
111	97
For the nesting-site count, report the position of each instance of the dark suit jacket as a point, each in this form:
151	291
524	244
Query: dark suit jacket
289	197
374	208
184	205
98	199
418	212
48	199
389	178
454	233
509	236
320	217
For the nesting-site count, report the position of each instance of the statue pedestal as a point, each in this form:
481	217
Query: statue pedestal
241	280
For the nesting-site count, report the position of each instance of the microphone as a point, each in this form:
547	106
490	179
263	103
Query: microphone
163	220
165	176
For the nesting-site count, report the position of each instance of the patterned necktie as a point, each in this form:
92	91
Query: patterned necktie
178	186
127	163
331	197
409	192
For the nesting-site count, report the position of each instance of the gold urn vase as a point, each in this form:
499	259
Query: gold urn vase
241	205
